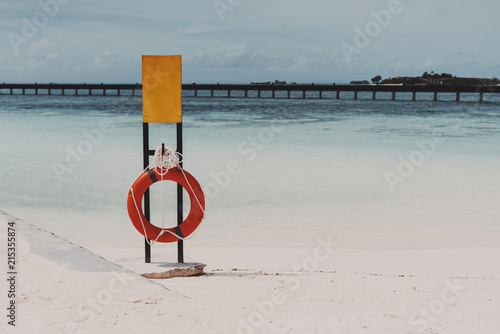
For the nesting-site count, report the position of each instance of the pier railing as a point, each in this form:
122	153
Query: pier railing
244	89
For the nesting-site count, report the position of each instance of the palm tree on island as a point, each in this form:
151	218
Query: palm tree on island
376	79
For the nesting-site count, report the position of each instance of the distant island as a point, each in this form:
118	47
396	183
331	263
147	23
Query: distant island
431	79
276	82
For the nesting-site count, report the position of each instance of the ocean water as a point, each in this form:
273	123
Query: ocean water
275	171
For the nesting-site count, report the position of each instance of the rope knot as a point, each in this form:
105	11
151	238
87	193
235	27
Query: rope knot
168	160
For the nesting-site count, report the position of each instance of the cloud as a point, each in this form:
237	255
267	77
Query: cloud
239	56
103	61
43	45
258	40
430	63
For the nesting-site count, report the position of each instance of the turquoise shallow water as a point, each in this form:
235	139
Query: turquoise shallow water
294	156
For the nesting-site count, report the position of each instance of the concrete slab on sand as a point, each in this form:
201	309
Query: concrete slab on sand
76	258
61	251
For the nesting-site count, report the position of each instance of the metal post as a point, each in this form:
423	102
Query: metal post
180	218
145	155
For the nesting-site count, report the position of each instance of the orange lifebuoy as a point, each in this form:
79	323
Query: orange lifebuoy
188	226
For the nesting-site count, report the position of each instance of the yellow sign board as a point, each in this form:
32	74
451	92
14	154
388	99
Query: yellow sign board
162	89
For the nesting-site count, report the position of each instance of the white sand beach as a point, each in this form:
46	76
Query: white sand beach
63	288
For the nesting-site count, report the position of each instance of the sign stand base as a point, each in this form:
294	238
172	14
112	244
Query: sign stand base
169	270
161	270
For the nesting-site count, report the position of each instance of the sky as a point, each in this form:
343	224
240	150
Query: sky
239	41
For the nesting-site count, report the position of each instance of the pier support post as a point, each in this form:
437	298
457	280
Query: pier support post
119	92
338	95
320	94
414	96
435	96
303	94
458	97
288	95
374	95
228	93
246	92
11	91
394	95
195	93
274	93
212	93
36	91
355	94
133	92
481	96
24	91
258	93
50	91
104	92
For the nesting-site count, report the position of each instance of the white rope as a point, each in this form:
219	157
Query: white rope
168	160
164	162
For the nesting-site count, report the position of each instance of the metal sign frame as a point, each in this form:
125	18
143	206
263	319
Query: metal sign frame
147	200
162	103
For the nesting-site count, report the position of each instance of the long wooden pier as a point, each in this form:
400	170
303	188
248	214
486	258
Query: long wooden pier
227	90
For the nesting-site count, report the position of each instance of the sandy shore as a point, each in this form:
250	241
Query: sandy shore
63	288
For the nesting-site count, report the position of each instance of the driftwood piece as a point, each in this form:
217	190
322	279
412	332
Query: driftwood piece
177	272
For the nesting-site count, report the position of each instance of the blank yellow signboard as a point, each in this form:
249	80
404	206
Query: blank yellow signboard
162	89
